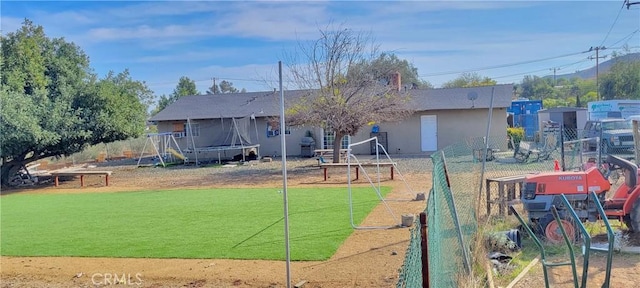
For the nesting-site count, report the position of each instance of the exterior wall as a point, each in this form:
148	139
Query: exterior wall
269	146
454	126
581	118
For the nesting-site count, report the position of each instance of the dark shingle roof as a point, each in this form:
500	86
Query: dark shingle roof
456	98
233	105
263	104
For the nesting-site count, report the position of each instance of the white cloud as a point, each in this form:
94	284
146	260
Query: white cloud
200	55
266	20
275	21
146	31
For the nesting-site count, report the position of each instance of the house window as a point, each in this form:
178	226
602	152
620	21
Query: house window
328	138
273	129
195	129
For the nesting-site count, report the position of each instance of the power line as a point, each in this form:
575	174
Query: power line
544	69
502	65
628	36
613	24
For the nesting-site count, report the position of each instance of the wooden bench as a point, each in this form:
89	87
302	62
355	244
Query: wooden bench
327	155
326	166
80	173
328	152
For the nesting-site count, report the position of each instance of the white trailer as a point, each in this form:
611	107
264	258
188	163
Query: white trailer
613	109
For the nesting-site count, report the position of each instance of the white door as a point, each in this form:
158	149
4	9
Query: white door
429	133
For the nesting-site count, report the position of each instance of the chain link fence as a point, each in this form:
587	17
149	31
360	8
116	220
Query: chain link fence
411	270
469	180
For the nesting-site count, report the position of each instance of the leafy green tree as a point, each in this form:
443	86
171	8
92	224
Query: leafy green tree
224	87
227	87
185	87
52	105
408	73
621	82
536	88
472	79
338	98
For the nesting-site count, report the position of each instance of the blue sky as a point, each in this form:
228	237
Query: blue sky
242	42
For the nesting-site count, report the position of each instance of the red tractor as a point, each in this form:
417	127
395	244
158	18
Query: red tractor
543	190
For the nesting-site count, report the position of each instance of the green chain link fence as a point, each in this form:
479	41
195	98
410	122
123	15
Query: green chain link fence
411	271
458	198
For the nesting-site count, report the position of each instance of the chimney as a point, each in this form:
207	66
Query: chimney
396	82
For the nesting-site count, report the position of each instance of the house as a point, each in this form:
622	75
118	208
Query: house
211	123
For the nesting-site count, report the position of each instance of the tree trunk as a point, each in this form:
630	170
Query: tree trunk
9	170
337	144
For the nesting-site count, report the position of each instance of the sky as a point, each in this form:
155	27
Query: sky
242	42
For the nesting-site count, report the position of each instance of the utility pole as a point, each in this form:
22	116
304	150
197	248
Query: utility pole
214	85
629	3
597	49
554	76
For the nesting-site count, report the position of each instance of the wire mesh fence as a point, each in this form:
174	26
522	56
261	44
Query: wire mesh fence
411	270
470	178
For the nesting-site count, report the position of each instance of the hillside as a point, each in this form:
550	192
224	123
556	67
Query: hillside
604	66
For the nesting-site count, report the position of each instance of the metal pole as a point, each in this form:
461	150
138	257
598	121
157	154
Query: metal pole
486	151
195	151
562	164
284	178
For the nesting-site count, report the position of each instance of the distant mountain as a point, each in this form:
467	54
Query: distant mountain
603	67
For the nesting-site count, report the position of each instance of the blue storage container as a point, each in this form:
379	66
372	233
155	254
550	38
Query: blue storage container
525	115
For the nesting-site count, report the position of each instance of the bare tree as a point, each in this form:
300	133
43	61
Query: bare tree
345	89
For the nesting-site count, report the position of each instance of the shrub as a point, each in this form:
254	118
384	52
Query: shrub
516	134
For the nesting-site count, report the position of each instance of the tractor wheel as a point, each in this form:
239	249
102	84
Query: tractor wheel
633	219
551	229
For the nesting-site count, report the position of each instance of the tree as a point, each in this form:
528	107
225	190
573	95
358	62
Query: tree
536	88
408	73
574	92
469	79
224	87
621	82
185	87
338	98
52	105
227	87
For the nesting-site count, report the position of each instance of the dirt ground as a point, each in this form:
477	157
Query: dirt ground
625	272
368	258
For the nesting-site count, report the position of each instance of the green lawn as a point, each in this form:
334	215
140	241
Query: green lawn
211	223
